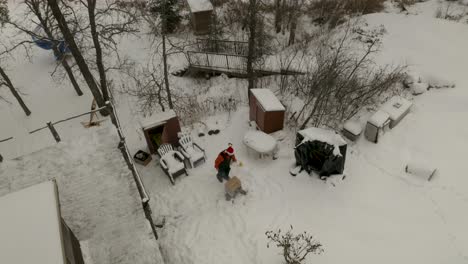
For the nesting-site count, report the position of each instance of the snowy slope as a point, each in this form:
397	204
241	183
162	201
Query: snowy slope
98	196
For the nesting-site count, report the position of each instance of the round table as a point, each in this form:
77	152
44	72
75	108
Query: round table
261	143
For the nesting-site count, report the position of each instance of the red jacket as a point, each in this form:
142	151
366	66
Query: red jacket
221	157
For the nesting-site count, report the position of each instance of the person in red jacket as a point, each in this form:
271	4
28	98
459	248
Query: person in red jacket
223	163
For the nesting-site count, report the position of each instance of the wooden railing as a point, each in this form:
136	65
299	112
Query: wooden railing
223	46
217	61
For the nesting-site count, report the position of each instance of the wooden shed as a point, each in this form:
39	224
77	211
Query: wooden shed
266	110
161	128
201	11
32	229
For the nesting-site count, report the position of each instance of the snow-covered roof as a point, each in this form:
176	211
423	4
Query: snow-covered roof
30	226
157	119
200	5
379	118
323	135
267	100
99	199
396	107
353	127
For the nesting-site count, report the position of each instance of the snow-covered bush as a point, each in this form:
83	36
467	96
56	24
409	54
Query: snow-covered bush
295	247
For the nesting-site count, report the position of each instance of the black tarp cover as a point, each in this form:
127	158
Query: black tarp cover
318	156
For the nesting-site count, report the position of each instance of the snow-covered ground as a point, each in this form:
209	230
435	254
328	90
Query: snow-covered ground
378	214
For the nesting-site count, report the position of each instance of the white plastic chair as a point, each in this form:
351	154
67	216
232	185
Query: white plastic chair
192	151
172	162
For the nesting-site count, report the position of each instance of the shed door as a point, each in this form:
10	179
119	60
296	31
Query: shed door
253	108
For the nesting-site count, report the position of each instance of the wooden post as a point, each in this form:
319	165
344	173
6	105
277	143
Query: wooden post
53	131
227	61
207	60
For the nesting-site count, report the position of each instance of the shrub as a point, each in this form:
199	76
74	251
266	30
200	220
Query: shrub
295	248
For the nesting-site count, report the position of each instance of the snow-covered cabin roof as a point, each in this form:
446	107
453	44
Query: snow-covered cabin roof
379	118
396	107
267	100
30	226
199	5
157	119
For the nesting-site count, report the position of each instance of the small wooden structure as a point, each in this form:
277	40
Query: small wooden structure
32	229
266	110
377	124
201	11
161	128
397	108
352	130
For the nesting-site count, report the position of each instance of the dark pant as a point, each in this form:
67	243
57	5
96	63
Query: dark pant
222	175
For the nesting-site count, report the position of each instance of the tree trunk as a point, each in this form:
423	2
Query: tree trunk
14	92
97	47
252	38
292	31
80	61
35	7
293	20
278	16
166	76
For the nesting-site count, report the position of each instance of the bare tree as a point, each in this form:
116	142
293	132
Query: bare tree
163	29
147	85
295	248
252	56
104	33
77	54
46	22
278	15
5	81
341	81
294	13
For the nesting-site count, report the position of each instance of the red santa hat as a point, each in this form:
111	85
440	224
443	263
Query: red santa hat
230	150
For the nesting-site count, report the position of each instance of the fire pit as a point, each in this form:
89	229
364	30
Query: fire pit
142	157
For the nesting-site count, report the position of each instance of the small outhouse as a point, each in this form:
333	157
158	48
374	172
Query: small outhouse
32	229
266	110
161	128
377	124
397	108
201	11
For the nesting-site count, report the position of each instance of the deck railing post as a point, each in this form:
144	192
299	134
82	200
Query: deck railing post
207	60
227	61
53	131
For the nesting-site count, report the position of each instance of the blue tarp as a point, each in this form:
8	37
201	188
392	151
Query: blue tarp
48	44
